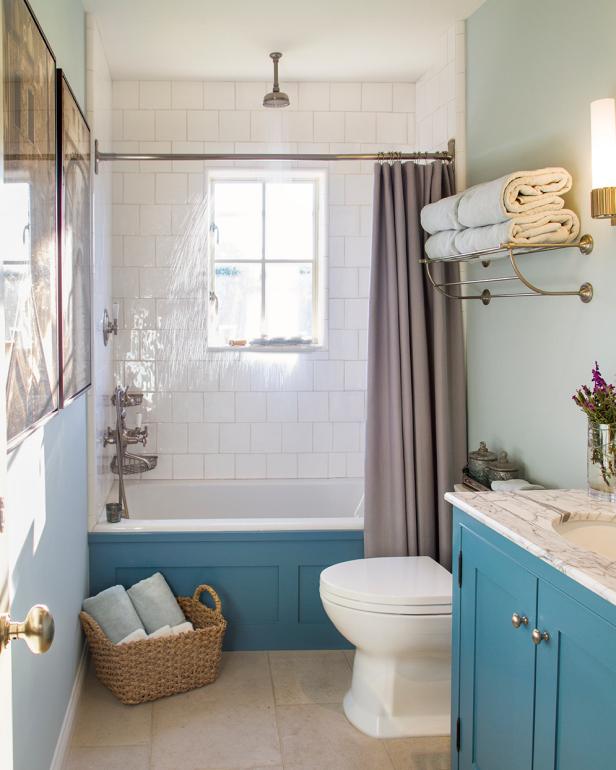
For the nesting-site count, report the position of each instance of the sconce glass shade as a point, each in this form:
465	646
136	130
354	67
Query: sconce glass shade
603	136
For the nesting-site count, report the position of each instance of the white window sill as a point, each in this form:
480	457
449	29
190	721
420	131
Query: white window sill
267	349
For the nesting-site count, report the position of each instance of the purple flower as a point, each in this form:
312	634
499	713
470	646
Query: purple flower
599	382
598	404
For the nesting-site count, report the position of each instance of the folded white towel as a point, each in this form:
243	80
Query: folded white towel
162	631
545	227
493	202
517	193
514	485
524	230
135	636
182	628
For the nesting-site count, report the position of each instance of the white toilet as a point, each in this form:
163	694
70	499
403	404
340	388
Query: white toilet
397	613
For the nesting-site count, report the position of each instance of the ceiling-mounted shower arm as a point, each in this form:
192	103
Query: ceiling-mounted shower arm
275	57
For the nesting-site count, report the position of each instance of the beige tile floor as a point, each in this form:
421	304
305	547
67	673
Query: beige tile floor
276	710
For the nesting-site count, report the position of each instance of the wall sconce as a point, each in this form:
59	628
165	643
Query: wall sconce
110	326
603	135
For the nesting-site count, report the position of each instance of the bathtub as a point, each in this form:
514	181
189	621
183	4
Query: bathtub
240	506
261	544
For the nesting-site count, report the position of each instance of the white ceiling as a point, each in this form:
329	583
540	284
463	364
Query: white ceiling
377	40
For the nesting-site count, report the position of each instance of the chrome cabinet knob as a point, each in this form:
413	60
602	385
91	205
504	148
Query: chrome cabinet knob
539	636
37	630
518	620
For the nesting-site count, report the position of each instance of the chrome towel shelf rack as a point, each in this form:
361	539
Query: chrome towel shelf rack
513	250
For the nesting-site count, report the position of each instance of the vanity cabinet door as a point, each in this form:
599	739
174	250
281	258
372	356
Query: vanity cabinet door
497	660
576	686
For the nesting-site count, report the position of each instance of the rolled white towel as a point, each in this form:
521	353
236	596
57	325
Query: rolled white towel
182	628
517	193
135	636
556	227
514	485
442	245
442	215
499	200
155	603
113	610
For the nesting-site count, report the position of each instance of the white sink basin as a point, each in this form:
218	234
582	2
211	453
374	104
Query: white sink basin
597	536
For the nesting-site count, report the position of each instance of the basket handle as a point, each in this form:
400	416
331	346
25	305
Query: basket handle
204	587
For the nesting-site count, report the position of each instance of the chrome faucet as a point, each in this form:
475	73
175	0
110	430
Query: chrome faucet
125	462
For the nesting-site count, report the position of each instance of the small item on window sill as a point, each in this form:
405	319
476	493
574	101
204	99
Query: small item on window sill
238	343
281	341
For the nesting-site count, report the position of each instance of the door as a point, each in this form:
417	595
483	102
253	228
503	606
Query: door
497	659
576	686
6	695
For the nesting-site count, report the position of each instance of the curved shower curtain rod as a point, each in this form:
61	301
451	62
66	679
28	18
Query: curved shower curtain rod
101	157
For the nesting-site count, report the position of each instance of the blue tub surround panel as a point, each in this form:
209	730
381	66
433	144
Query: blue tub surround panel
534	650
268	581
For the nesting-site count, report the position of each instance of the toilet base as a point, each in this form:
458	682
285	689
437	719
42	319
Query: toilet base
393	698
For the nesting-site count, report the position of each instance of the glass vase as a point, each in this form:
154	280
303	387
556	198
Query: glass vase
601	465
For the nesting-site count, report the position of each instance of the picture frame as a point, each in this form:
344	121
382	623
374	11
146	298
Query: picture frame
28	223
74	244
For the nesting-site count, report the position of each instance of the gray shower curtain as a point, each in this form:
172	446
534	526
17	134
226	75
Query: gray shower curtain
416	404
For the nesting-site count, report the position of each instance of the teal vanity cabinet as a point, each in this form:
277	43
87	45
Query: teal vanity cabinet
534	661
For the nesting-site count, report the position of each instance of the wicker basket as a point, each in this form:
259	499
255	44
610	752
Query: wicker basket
154	668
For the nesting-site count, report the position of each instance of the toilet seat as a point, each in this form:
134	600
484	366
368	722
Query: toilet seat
398	585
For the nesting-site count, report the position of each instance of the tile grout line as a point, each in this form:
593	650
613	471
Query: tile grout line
269	668
151	743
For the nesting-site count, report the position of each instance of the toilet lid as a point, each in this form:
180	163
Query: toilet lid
414	581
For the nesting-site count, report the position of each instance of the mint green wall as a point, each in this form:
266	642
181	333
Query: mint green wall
47	507
532	70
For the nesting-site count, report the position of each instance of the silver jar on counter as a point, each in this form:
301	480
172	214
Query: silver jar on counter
502	469
479	462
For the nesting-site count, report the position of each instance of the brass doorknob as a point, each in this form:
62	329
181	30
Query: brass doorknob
518	620
539	636
36	630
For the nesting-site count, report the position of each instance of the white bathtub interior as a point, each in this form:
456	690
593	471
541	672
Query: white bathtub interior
274	505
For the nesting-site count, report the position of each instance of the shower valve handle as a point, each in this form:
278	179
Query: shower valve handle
136	435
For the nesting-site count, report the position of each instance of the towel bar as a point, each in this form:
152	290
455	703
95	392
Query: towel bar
585	244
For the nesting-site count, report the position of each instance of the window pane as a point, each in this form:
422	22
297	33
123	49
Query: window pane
289	220
238	289
288	300
238	219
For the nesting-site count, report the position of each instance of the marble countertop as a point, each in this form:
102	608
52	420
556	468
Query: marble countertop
526	519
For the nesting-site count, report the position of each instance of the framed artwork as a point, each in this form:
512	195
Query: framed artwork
28	222
75	244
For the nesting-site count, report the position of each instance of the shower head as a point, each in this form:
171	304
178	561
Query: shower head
276	97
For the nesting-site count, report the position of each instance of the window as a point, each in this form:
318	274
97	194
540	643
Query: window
266	243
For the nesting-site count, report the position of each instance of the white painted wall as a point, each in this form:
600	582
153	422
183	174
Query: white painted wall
306	417
100	412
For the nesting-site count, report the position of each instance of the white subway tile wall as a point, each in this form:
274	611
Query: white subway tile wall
99	101
247	416
441	100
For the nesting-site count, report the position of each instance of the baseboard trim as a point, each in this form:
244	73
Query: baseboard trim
66	731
